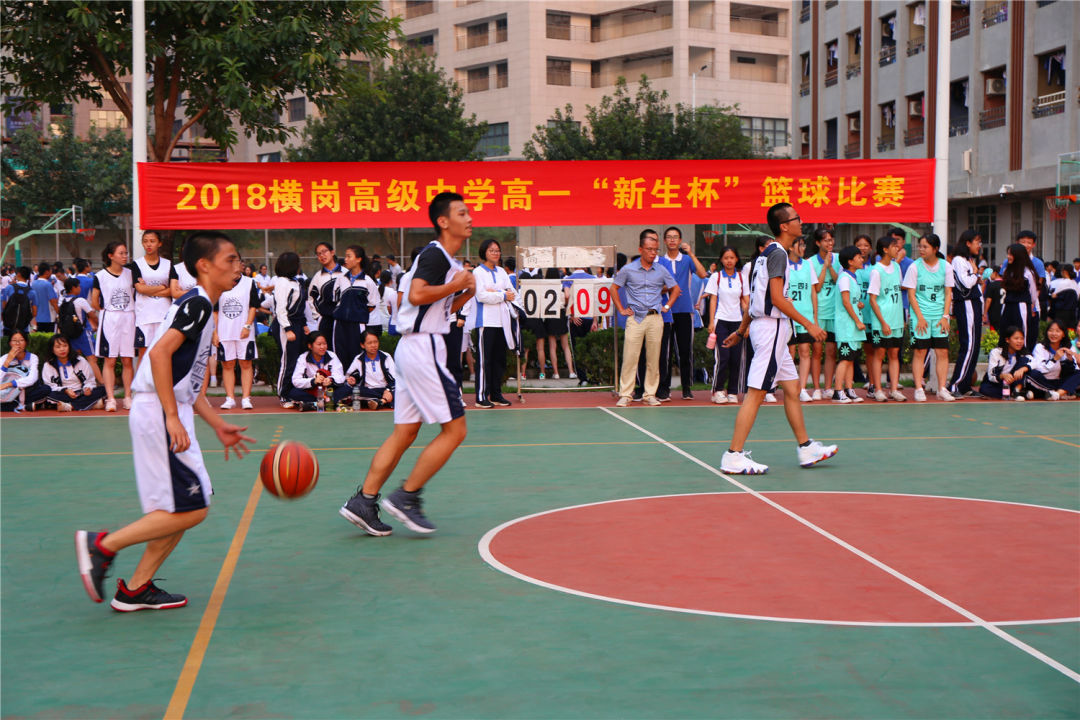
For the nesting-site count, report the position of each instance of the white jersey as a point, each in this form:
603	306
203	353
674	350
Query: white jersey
233	309
369	371
151	309
772	262
181	275
75	376
435	266
117	291
307	368
729	290
192	314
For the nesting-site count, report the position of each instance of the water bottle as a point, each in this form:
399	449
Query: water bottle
356	398
320	401
711	342
1006	391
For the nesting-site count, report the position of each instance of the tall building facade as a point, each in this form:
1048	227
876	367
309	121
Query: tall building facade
1012	103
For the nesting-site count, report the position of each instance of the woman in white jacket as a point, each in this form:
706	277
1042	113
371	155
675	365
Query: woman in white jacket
1054	365
494	295
69	378
318	371
289	311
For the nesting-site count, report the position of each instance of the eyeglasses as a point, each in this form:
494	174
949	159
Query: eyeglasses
792	219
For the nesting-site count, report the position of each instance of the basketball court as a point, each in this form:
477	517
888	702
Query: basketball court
589	562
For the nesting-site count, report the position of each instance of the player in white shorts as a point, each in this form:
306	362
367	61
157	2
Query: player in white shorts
174	486
113	298
426	391
768	320
150	275
234	338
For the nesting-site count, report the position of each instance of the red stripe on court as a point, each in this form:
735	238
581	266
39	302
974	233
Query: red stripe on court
731	553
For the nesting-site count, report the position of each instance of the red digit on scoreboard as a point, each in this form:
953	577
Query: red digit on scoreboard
603	299
583	303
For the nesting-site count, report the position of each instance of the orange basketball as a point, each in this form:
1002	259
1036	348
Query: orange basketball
289	470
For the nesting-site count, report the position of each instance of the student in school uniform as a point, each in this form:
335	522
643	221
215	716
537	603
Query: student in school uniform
802	289
1054	365
866	249
83	343
967	309
86	278
850	328
234	338
289	306
45	299
494	298
372	374
929	284
827	270
321	289
1021	294
680	260
1006	367
318	372
69	379
180	279
355	296
728	295
887	319
426	391
20	376
114	300
174	486
152	277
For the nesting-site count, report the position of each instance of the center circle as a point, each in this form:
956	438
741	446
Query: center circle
733	554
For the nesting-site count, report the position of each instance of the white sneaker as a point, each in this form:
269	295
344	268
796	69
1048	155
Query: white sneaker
804	396
898	396
732	397
98	405
246	404
555	376
110	406
817	395
572	376
1030	395
66	407
814	453
287	405
652	401
841	398
127	402
623	402
740	463
1053	395
719	398
880	395
945	396
770	398
852	396
229	403
1019	398
920	395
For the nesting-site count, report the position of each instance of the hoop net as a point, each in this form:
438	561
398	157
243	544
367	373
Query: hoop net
5	227
88	233
710	236
1058	205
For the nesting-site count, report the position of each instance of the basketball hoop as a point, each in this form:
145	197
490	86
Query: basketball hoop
710	236
88	233
1058	205
5	227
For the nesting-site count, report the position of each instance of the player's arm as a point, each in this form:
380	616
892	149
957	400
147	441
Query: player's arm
673	293
845	297
231	436
885	329
421	292
95	299
920	323
161	362
948	308
813	301
780	302
699	269
625	311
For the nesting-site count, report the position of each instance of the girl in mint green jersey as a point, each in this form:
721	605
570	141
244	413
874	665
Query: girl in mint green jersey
929	284
865	246
802	289
827	270
887	318
850	329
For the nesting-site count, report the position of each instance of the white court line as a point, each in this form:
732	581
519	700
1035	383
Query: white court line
1038	655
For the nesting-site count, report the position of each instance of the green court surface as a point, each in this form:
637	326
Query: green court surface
319	620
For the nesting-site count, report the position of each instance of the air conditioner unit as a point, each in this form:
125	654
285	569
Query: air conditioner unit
805	137
914	108
969	161
853	124
995	86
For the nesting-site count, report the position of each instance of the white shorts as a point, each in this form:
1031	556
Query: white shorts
145	334
772	361
426	391
116	335
229	350
173	482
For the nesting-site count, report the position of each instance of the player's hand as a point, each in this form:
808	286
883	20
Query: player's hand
860	325
510	296
818	333
732	340
387	396
180	439
461	323
231	436
214	340
1007	377
861	305
886	331
575	319
464	280
244	332
627	312
290	335
71	393
943	324
920	326
87	391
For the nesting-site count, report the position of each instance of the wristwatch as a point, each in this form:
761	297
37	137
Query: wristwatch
666	308
247	327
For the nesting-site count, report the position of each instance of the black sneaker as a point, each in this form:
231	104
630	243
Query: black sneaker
484	405
405	506
501	402
147	597
93	563
636	397
364	513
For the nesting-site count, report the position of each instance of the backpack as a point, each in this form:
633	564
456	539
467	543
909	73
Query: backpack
67	320
16	314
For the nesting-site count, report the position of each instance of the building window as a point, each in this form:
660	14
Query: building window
1017	209
496	141
854	54
424	43
961	20
766	133
500	30
297	109
993	113
958	108
804	79
804	11
755	66
1050	93
983	220
416	8
915	133
107	119
831	139
269	157
916	28
887	139
853	146
887	54
558	26
995	13
558	71
502	75
832	63
478	80
1037	209
804	142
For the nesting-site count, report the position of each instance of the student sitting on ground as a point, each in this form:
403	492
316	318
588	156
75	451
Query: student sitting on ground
1054	370
20	384
69	378
318	372
373	373
1006	367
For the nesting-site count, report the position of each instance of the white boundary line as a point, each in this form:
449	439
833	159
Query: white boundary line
485	552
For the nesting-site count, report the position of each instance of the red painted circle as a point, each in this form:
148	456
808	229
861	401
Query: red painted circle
733	554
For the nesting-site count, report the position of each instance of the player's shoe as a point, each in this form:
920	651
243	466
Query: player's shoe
484	405
364	513
945	396
719	398
880	395
920	395
770	398
245	403
687	395
406	507
66	407
110	406
94	562
623	402
733	398
814	453
804	396
147	597
898	396
840	398
127	402
500	401
654	401
817	395
1053	395
229	404
287	404
852	396
740	463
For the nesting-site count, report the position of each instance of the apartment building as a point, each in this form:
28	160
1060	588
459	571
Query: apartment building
1012	103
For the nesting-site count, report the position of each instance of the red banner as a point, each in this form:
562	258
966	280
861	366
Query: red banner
369	195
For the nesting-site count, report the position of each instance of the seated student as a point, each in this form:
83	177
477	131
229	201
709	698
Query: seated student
1054	365
1006	367
69	379
317	370
1063	296
20	385
372	372
75	310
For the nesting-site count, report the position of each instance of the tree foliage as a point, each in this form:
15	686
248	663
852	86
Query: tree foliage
209	62
407	111
40	178
642	126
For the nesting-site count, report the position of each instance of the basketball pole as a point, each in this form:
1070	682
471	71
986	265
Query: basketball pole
138	116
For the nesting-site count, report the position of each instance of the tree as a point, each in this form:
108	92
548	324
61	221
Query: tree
209	62
408	111
40	178
641	127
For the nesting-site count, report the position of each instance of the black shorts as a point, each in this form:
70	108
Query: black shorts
536	327
800	338
885	342
847	351
555	326
937	343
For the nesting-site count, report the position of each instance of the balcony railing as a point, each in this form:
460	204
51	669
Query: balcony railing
992	118
569	78
1051	104
614	30
831	3
958	127
852	150
579	33
702	20
887	55
829	154
886	143
757	26
961	26
995	14
478	84
804	88
832	77
804	14
417	9
853	69
914	136
916	46
467	41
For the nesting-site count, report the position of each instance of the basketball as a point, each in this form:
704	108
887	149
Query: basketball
289	470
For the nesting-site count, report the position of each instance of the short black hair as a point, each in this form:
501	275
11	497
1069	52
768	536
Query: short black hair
898	232
484	248
82	264
110	248
667	230
44	267
440	207
644	234
287	265
847	255
201	244
775	216
1026	235
883	243
70	284
510	264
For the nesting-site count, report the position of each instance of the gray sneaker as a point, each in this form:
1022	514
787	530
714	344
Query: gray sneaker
406	507
364	513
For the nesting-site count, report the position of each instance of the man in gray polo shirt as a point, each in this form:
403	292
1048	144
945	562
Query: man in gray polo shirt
644	282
